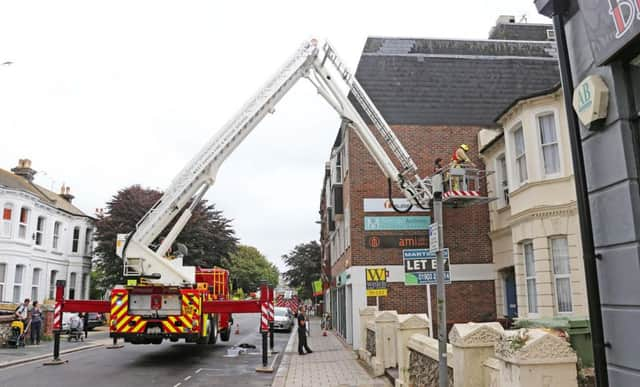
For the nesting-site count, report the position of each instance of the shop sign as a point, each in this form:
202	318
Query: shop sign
610	25
395	241
376	223
384	205
376	281
591	100
420	267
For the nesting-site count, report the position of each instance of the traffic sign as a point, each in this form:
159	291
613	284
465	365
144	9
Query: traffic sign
420	267
434	240
376	281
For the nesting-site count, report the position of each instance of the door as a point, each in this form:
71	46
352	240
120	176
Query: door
510	297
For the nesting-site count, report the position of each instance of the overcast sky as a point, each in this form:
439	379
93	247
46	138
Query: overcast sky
105	94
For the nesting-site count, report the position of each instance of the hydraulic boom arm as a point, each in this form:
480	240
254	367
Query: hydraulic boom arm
323	67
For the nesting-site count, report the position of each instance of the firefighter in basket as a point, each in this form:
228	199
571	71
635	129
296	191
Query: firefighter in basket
460	159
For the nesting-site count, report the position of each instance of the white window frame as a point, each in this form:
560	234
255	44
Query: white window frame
84	286
558	144
560	276
18	281
35	283
502	176
40	232
23	226
3	279
52	284
88	236
7	224
55	242
73	279
518	158
530	277
75	241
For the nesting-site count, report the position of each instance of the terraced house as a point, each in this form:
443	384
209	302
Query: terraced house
43	238
436	94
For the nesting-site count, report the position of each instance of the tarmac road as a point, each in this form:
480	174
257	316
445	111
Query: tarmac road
169	364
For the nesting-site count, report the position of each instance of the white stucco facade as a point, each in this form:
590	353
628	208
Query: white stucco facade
41	243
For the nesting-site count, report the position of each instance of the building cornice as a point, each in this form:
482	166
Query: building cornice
538	183
567	209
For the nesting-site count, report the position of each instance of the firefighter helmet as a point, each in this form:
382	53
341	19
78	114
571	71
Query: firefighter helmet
464	147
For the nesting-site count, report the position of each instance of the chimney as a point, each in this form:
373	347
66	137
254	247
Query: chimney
506	19
24	170
65	193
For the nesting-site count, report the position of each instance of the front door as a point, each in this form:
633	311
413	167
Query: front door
510	297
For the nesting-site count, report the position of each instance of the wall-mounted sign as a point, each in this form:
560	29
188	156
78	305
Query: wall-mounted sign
376	281
377	223
610	25
420	267
384	205
591	100
434	242
395	241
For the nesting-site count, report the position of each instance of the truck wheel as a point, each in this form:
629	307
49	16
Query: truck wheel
205	339
225	334
213	335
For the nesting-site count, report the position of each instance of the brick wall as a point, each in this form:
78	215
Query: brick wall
465	229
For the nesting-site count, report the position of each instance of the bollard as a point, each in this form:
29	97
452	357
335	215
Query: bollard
264	349
271	335
115	344
57	324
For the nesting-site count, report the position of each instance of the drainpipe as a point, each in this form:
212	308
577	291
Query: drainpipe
584	211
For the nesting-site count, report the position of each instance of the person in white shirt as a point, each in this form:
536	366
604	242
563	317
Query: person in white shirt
22	312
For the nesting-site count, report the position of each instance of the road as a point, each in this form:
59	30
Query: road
168	364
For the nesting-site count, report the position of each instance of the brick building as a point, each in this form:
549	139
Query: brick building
436	94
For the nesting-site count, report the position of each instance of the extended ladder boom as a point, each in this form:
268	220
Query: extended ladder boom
190	185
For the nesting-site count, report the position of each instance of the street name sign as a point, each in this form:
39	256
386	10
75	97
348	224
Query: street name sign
420	267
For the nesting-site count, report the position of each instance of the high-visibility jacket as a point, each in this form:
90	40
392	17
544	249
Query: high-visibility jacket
460	156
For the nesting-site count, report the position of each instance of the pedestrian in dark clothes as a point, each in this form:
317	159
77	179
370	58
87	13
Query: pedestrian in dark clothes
36	323
302	333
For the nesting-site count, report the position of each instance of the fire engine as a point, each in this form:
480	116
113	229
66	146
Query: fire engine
162	298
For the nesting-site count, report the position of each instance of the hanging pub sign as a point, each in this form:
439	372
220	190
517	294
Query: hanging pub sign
610	25
395	241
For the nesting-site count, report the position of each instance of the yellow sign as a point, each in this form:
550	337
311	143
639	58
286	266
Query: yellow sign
376	281
132	282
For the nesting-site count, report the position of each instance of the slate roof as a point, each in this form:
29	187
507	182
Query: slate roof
452	82
12	181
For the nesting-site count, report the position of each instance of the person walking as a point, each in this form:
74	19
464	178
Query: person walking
302	333
36	323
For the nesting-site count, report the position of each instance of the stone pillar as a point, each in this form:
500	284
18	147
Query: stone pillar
408	324
535	358
367	314
385	341
472	344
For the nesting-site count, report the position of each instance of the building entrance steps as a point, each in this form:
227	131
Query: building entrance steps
331	364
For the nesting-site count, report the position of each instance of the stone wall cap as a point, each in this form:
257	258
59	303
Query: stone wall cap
387	316
413	321
371	325
429	347
368	311
472	335
534	346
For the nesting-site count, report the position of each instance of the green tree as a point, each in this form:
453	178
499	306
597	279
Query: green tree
304	267
208	235
248	267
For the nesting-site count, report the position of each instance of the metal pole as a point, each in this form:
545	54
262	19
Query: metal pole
443	371
264	349
56	345
429	311
584	211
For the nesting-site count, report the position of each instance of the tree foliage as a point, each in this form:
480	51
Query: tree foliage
304	267
208	235
248	267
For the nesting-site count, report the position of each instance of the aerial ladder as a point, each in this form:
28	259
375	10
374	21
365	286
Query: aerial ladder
192	299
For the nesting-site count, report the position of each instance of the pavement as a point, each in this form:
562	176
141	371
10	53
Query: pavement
13	356
332	363
168	364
